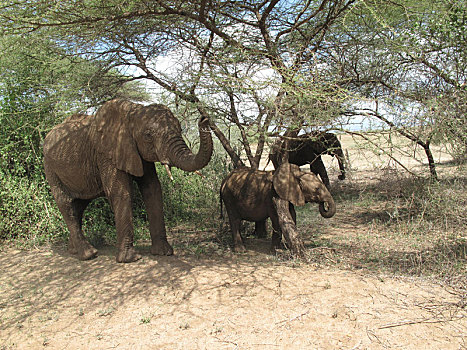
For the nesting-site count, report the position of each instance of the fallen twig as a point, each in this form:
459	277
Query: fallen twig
294	318
425	320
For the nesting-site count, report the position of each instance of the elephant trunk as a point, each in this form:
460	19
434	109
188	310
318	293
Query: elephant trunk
341	161
330	211
182	157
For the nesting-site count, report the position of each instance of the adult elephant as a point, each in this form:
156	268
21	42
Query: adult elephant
308	149
86	157
249	194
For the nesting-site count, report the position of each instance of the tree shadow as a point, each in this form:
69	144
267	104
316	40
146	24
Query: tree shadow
38	283
444	258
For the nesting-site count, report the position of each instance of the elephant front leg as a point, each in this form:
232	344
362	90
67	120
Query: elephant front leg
118	191
317	167
276	239
340	161
126	252
151	191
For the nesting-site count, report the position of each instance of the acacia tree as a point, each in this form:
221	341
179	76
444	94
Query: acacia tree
271	67
253	64
408	60
268	68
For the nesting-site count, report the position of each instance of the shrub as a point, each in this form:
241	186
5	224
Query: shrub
28	212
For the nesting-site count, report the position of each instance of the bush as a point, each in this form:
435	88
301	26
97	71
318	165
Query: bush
423	202
28	212
191	197
442	203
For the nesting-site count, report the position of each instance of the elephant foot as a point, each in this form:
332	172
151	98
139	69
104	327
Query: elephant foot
279	245
275	246
127	255
87	252
261	233
239	248
276	241
72	249
161	247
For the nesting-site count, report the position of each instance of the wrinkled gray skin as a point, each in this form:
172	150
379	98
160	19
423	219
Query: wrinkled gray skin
86	157
308	148
247	194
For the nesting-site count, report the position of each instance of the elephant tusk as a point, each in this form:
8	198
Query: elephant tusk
199	173
167	169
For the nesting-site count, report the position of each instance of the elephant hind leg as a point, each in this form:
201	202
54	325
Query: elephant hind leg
78	208
72	210
260	229
239	247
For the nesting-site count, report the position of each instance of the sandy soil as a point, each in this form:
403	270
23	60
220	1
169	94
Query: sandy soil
51	300
48	299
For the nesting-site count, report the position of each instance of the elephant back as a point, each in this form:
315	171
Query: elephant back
67	137
80	118
246	182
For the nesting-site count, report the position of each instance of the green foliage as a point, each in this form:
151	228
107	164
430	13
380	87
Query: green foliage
192	198
26	111
29	214
99	223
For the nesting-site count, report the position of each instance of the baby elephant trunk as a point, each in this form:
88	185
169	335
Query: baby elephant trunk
331	208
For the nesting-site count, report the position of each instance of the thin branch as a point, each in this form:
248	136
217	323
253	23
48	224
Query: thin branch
386	153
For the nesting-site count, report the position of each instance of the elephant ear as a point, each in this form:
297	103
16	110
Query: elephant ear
114	139
286	182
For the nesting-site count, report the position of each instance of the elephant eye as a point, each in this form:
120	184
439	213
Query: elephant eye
147	136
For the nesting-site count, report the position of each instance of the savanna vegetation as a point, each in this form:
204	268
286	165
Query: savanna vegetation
259	70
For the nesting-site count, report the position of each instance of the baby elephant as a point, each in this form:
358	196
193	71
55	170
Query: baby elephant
248	195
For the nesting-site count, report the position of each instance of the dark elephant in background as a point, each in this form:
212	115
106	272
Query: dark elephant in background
308	149
248	195
86	157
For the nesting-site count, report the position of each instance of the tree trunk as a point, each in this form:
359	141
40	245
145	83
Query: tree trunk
431	161
226	144
288	227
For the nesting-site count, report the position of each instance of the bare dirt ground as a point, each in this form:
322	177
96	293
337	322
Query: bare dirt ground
48	299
